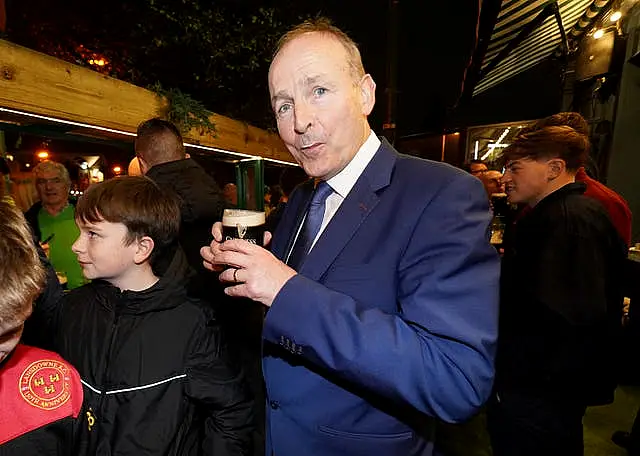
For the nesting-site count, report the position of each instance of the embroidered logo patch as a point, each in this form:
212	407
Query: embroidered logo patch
45	384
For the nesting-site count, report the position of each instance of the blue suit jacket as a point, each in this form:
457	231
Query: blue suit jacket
392	319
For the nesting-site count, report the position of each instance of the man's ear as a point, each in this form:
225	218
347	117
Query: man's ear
144	166
556	166
367	88
144	247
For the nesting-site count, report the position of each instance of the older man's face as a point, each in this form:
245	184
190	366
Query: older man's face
52	188
320	110
492	181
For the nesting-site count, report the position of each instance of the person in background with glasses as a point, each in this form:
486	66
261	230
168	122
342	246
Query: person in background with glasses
52	220
476	168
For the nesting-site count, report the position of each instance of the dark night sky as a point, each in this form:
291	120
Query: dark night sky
436	39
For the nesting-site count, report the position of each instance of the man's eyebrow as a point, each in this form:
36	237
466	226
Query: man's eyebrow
308	81
312	80
282	94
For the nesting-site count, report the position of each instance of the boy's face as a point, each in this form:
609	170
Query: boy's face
103	254
11	331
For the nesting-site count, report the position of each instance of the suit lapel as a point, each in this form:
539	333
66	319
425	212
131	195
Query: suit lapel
353	211
291	219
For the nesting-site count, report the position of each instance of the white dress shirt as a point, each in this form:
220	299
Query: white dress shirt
343	182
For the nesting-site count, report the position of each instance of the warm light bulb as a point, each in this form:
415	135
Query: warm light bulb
42	154
117	169
615	17
598	34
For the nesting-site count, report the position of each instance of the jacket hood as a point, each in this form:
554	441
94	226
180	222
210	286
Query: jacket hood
168	292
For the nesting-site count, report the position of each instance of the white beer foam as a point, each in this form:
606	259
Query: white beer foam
233	217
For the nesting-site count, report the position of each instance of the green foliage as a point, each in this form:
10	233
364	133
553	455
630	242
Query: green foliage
217	51
185	112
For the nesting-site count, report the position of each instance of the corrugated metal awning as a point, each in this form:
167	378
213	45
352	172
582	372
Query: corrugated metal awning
540	44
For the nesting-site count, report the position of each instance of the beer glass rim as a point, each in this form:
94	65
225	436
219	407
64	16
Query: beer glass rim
231	217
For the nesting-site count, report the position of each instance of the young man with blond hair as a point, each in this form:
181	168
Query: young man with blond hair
40	393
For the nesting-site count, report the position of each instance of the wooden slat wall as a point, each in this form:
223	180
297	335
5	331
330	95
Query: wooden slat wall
41	84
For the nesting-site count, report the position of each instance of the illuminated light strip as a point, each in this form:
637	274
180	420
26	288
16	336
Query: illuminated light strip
475	153
487	154
224	151
127	133
247	157
496	144
282	162
67	122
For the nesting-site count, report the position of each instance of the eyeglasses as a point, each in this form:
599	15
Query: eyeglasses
53	180
479	171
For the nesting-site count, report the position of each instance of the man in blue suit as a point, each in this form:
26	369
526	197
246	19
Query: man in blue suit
383	309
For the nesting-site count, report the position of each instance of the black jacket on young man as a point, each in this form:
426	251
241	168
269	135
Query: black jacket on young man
561	301
154	369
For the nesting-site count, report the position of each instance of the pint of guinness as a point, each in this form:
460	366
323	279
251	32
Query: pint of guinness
243	224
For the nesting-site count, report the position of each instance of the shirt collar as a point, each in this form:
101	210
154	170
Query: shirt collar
343	182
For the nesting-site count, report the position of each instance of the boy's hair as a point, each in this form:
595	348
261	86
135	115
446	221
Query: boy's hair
139	204
566	119
22	272
562	142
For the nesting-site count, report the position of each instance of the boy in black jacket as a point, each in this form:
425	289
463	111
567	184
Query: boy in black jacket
156	379
40	393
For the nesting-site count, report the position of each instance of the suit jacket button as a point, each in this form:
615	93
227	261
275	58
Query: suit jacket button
275	405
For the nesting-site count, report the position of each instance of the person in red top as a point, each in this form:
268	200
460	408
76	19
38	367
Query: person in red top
614	204
40	393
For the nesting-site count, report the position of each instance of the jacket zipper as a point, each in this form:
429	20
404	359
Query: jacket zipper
103	394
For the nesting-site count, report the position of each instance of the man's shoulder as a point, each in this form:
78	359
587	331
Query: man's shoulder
166	172
430	176
581	215
423	165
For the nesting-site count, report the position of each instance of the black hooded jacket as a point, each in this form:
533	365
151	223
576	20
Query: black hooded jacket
561	300
155	375
201	205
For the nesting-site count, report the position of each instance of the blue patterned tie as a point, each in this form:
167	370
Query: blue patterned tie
312	224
